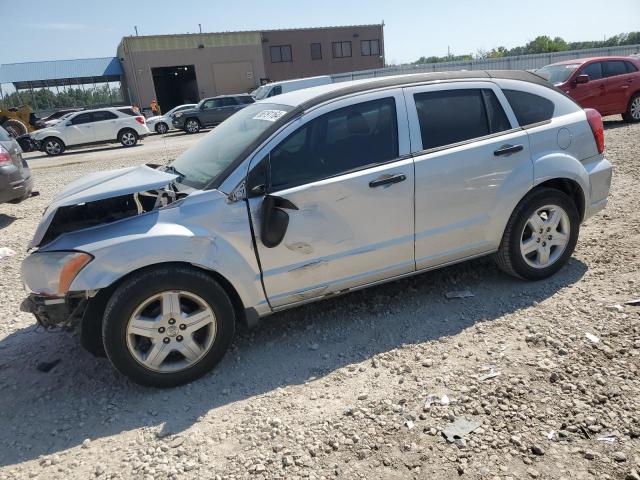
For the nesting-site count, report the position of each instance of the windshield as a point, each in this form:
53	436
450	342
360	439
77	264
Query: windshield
556	74
261	92
207	159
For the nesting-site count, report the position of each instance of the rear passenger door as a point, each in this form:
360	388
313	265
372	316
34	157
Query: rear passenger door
471	161
105	125
344	176
618	83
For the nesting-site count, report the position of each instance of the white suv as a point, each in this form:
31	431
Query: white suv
87	127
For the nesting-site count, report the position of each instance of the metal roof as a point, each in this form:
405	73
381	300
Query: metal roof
61	72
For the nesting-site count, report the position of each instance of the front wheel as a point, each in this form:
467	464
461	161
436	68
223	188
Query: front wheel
128	138
162	128
167	326
192	126
540	235
52	146
633	109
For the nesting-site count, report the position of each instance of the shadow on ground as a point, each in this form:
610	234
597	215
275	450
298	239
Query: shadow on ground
6	220
82	397
78	151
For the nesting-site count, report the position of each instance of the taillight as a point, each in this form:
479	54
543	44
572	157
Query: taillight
595	122
5	158
140	120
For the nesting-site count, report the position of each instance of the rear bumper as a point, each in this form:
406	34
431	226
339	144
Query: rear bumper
600	174
12	185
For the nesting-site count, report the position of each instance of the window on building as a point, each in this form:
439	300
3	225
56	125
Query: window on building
370	47
350	138
316	51
341	49
281	53
529	108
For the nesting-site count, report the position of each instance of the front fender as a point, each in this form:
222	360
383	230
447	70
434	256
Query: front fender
204	231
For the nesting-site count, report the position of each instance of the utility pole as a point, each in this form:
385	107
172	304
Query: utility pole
200	27
135	27
448	52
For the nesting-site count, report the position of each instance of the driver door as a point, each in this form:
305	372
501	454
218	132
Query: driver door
79	129
343	178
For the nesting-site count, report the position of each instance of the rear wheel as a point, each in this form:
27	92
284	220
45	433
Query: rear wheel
128	138
633	109
167	326
540	236
162	128
52	146
192	125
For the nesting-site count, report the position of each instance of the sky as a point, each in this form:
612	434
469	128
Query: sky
66	29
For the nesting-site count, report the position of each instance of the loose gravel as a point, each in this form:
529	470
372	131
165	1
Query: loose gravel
542	379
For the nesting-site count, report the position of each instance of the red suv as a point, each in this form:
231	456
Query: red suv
611	85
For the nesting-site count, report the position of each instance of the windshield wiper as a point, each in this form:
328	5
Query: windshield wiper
172	169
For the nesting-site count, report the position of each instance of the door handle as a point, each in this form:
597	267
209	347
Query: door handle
508	149
387	180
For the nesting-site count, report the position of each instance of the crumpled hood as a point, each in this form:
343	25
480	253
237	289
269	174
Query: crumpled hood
101	185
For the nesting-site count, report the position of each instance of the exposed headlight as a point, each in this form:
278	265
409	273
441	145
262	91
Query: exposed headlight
51	273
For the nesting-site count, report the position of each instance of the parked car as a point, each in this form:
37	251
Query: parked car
90	127
209	112
610	85
55	116
162	123
285	86
15	177
314	194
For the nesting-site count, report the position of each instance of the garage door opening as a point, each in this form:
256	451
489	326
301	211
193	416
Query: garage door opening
175	86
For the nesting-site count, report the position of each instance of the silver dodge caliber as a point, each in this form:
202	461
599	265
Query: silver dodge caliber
311	194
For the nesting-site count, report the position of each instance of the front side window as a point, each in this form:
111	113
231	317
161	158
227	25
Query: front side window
613	68
347	139
529	108
103	115
448	117
370	47
81	118
212	103
594	70
341	49
222	146
281	53
316	51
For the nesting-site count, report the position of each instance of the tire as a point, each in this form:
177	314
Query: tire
14	127
633	110
128	137
188	287
162	128
532	255
53	146
192	125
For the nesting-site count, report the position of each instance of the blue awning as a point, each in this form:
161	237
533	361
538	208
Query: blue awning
61	72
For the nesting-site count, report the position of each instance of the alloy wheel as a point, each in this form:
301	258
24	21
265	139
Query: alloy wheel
635	108
192	126
162	128
171	331
128	139
545	236
53	147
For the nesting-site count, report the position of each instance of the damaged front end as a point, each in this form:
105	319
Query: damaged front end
56	312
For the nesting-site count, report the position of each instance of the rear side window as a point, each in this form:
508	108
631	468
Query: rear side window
613	68
245	99
347	139
631	68
128	111
104	115
451	116
81	118
228	102
529	108
594	70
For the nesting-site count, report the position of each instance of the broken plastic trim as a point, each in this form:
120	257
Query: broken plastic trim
72	218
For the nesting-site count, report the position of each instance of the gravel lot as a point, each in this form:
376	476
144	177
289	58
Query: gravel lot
360	386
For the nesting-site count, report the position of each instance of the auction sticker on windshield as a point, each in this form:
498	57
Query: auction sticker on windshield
269	115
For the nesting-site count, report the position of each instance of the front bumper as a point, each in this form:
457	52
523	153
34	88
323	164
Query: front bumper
56	312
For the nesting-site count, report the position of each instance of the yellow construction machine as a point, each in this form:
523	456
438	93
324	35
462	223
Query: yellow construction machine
18	120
